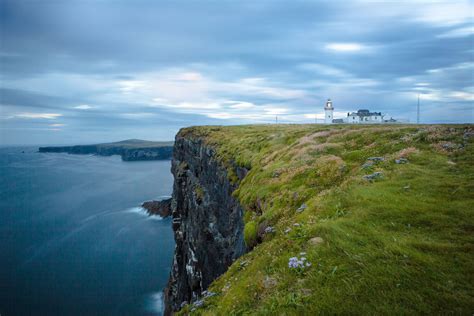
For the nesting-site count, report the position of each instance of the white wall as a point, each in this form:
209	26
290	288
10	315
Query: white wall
354	119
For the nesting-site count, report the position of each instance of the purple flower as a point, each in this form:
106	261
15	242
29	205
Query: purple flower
298	263
293	263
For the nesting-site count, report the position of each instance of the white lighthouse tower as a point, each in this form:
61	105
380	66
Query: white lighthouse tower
328	109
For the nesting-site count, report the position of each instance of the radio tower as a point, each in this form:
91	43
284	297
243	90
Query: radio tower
418	110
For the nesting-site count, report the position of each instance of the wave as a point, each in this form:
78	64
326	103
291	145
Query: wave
163	197
143	212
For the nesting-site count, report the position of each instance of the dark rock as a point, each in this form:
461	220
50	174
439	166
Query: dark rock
198	303
373	176
207	294
262	231
176	223
158	153
241	172
468	134
449	146
209	232
162	208
368	164
302	208
376	159
401	161
270	230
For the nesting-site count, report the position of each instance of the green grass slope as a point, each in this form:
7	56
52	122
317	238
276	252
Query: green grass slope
402	243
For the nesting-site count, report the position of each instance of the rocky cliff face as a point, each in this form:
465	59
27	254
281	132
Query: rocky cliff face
157	153
207	221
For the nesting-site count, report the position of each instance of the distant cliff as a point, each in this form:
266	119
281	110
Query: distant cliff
129	150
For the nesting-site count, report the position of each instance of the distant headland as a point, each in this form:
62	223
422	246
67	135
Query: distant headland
129	150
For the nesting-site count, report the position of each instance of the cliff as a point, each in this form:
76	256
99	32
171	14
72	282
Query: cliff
311	219
129	150
207	221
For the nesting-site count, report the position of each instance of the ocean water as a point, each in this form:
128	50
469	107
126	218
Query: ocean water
73	239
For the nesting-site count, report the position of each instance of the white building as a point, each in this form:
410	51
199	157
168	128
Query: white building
328	110
364	117
359	117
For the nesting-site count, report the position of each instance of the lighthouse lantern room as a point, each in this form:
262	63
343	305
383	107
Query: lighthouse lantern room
328	110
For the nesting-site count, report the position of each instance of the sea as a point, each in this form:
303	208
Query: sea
74	239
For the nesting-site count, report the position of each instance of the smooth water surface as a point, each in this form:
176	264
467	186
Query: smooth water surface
73	239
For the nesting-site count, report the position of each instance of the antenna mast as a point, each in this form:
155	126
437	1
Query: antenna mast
418	110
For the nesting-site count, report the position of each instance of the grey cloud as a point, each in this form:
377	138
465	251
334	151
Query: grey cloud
56	55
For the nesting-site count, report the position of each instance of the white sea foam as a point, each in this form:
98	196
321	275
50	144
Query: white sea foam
154	303
141	211
163	197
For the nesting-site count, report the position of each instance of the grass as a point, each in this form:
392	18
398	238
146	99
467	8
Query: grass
400	244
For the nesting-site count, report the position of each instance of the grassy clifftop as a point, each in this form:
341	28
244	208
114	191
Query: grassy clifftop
380	236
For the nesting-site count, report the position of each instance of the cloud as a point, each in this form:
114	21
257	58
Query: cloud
137	115
443	13
130	85
346	47
275	110
159	66
459	32
462	95
47	116
83	107
240	105
190	76
323	70
439	13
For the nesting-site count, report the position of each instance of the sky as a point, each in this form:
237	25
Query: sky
87	71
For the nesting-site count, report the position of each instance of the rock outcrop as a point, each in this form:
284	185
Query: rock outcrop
207	221
162	208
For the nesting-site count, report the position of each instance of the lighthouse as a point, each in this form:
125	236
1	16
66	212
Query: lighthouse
328	109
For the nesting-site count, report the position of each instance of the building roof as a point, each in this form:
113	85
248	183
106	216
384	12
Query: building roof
364	112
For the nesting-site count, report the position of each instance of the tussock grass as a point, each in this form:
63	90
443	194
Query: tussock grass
399	244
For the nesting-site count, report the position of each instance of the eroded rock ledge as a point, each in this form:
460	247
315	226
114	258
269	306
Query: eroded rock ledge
207	221
162	208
